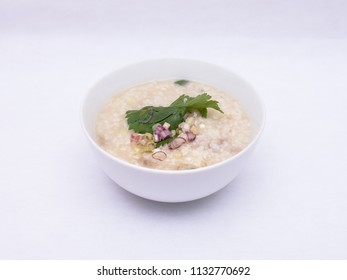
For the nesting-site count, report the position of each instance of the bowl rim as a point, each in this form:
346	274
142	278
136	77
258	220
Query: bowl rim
169	171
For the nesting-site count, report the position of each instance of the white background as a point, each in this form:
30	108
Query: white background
289	203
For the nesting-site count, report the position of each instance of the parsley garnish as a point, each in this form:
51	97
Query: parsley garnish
143	120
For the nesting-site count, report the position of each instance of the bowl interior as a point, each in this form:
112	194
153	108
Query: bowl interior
172	69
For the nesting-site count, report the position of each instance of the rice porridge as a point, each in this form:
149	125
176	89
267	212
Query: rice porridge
182	138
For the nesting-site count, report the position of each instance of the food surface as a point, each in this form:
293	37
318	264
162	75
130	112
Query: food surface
173	124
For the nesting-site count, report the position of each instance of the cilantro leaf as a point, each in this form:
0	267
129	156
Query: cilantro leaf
143	120
199	103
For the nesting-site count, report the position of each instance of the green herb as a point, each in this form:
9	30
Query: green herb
143	120
182	82
165	141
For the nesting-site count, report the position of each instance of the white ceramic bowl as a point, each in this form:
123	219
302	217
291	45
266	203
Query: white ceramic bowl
171	185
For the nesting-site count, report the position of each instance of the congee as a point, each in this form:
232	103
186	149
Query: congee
173	124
